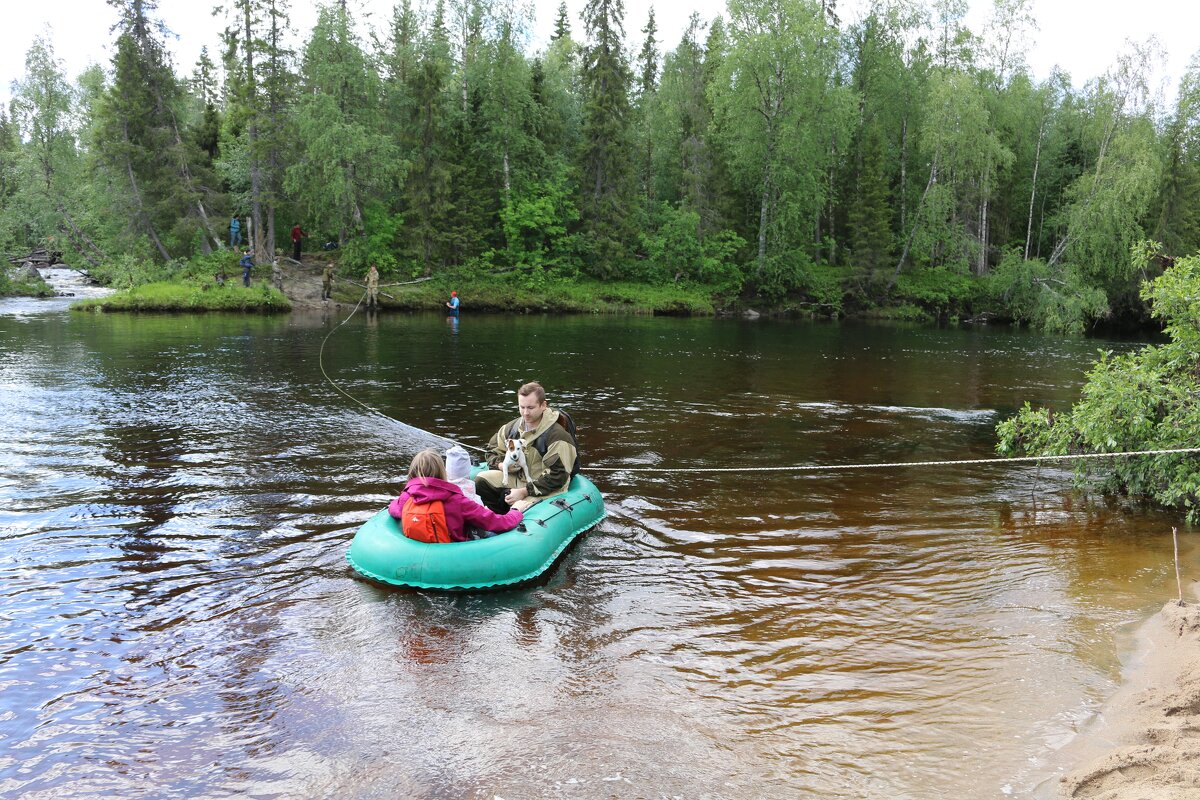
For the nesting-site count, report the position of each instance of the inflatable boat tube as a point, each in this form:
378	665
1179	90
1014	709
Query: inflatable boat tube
381	552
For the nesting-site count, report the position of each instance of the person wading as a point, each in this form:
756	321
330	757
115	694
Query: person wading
327	282
372	287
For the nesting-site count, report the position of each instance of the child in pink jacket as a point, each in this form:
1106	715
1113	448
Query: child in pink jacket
427	483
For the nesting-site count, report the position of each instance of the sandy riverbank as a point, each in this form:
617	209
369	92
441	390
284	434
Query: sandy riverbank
1146	745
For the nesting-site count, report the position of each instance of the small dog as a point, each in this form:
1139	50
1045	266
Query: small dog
515	455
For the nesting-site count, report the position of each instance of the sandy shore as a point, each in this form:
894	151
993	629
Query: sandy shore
1148	739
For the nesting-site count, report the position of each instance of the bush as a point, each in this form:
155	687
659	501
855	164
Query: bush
937	290
1145	400
1055	299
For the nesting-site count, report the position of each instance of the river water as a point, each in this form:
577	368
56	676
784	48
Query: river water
177	618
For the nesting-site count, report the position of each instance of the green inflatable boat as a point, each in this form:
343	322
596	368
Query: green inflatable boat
380	550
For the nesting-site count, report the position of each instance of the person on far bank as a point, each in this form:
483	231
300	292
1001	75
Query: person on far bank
235	231
372	287
327	282
452	305
247	264
432	509
549	472
297	235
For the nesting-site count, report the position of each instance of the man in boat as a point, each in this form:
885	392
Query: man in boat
550	451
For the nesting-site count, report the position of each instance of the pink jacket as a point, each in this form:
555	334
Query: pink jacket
460	510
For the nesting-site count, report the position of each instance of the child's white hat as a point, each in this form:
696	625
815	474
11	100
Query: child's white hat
458	463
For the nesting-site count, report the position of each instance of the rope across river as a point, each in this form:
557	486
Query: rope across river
900	464
792	468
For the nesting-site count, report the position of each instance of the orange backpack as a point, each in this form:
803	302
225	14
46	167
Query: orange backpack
425	522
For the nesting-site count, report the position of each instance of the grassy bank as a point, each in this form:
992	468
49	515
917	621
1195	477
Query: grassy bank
170	296
510	294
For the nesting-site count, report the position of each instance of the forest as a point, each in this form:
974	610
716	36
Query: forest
900	165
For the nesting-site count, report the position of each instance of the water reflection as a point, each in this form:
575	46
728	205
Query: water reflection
178	494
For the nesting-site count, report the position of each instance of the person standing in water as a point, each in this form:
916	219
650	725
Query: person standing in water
372	287
452	305
327	282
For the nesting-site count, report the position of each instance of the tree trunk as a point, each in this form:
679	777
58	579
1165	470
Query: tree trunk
76	233
903	172
1037	160
1109	132
933	170
256	215
764	204
981	267
137	194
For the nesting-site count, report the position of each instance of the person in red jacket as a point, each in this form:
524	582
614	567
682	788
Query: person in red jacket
417	508
297	235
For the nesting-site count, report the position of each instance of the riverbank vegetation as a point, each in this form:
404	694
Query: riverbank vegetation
898	164
1144	400
516	294
169	296
211	282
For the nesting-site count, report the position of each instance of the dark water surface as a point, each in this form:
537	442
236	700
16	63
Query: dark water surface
177	619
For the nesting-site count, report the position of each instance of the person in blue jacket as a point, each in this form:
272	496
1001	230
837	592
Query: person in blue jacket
235	231
247	263
452	304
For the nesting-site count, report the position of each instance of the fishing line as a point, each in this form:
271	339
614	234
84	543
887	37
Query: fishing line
353	399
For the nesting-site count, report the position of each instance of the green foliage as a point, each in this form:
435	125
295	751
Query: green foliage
378	243
677	253
821	287
939	291
1053	299
127	271
1144	400
607	183
346	157
778	70
536	227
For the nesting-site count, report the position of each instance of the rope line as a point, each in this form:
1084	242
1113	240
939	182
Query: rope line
350	397
796	468
896	464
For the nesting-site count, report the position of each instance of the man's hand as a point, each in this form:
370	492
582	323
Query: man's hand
516	495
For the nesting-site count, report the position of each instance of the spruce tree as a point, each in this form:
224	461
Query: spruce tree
429	203
647	87
142	140
869	212
608	198
562	24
